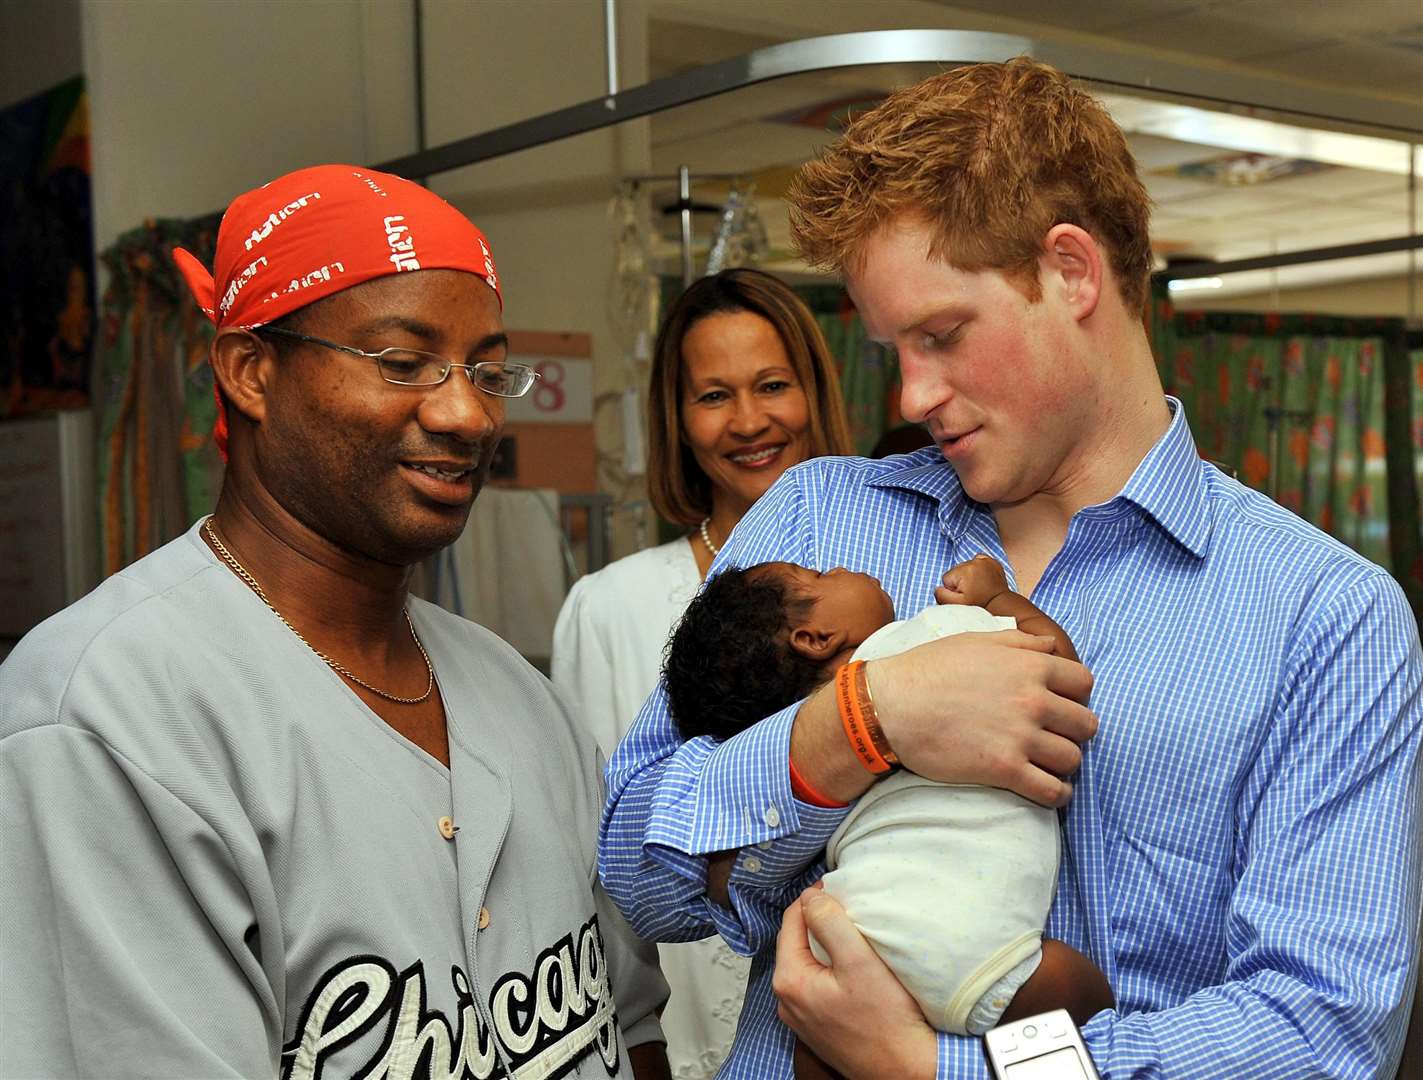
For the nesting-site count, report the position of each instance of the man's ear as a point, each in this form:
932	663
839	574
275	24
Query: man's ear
817	645
243	364
1072	263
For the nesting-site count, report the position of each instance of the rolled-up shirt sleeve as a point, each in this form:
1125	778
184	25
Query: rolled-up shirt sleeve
671	803
705	797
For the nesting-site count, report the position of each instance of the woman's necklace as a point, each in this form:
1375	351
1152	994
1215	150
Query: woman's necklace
338	668
706	537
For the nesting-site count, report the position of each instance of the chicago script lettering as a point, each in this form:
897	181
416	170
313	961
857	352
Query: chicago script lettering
539	1023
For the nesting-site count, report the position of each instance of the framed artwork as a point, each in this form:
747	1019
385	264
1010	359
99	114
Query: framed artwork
47	237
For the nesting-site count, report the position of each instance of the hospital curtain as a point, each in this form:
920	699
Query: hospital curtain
1322	414
868	374
158	469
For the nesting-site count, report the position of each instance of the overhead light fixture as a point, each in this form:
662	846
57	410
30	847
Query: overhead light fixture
1194	284
1253	134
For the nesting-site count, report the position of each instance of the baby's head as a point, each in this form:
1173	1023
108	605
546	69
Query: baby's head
756	640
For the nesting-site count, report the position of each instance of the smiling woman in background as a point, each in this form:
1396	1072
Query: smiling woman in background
743	387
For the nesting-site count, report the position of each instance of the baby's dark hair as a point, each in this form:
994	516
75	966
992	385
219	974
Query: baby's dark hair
730	663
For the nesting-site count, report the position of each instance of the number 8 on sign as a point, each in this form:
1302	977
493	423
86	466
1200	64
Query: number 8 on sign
548	391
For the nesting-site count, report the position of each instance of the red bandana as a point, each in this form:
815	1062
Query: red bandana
318	231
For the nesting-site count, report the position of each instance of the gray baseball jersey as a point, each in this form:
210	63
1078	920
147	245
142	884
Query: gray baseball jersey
217	861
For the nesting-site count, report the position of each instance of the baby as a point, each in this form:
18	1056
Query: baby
951	884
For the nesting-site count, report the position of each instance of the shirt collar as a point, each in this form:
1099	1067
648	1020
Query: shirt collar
926	473
1168	486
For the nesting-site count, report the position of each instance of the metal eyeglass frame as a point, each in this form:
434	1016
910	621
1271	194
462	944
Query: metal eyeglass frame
449	365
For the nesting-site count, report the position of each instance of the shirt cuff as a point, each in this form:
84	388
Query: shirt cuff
748	805
961	1057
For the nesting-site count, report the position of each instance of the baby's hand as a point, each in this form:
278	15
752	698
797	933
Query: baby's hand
974	583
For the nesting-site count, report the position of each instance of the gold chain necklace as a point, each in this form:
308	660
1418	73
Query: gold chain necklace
336	666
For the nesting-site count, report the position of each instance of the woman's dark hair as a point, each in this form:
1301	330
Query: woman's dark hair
729	662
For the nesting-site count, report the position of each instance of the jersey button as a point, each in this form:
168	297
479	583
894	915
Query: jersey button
772	816
447	827
751	864
483	917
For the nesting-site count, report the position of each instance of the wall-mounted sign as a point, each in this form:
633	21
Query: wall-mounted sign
563	393
552	425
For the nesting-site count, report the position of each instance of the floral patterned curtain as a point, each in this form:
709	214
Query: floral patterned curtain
1318	413
158	469
868	374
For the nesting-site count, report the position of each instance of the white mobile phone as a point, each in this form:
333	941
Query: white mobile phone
1042	1047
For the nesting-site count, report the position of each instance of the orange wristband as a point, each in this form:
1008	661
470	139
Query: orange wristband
857	713
872	724
807	794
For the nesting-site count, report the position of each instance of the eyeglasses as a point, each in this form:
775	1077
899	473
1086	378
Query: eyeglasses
411	367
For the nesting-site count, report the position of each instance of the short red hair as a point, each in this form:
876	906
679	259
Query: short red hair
991	156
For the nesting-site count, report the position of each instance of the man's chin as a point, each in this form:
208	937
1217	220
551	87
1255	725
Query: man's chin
982	489
436	537
423	535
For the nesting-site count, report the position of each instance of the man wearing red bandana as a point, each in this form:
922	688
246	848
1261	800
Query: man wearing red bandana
264	812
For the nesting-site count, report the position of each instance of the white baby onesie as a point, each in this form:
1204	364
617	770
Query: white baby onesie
951	883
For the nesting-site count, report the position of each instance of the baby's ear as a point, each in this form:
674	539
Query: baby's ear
817	645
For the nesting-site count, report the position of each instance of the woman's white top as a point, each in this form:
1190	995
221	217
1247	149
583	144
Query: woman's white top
607	656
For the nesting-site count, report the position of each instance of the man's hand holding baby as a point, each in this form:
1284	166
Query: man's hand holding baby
994	709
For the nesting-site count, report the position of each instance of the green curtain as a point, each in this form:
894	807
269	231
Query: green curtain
868	374
1404	391
158	469
1299	406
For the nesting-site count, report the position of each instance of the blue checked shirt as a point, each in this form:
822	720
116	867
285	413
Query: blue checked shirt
1241	854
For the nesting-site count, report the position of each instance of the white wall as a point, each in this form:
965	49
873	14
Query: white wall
40	46
195	102
546	209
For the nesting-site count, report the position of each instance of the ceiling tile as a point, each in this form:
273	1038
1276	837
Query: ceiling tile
1360	18
1169	225
1334	235
1319	215
674	46
1231	203
1206	237
1219	32
1395	205
1156	152
1395	71
1096	17
1341	183
1166	190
